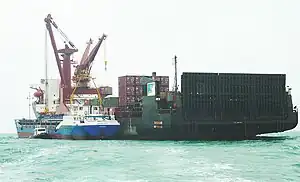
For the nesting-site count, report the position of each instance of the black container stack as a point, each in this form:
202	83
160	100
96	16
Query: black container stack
233	96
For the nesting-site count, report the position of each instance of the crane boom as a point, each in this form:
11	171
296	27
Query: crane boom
49	28
93	53
50	20
82	71
86	52
66	52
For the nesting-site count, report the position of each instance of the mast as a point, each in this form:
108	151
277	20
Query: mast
175	79
29	105
46	74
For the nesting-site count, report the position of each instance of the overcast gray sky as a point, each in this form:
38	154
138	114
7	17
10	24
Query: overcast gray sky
208	36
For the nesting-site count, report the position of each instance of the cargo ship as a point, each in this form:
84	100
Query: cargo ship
209	106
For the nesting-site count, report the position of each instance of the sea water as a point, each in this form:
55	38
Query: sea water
275	158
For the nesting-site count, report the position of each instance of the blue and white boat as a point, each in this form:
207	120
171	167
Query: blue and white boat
86	127
76	126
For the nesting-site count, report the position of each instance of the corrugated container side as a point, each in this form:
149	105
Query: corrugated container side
138	80
130	90
122	91
106	90
236	96
164	80
122	101
139	90
134	86
130	80
122	81
127	80
199	95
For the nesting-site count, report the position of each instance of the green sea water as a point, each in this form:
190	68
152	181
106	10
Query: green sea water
268	159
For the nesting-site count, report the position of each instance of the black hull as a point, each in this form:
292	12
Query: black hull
209	130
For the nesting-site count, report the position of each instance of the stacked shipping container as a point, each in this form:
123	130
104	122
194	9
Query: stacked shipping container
231	96
104	91
131	88
163	82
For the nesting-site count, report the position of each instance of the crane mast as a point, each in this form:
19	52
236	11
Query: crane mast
66	52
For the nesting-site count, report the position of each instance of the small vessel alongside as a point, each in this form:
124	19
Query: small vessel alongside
41	133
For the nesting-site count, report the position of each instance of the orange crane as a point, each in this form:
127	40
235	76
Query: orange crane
82	72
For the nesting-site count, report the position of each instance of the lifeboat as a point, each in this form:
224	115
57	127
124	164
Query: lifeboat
38	93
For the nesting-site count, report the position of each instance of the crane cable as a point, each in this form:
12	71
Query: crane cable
46	99
104	55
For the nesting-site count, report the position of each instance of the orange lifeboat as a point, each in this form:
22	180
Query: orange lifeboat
38	93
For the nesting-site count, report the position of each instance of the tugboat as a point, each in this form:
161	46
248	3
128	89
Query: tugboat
41	133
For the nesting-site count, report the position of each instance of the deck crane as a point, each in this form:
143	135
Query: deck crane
82	71
66	52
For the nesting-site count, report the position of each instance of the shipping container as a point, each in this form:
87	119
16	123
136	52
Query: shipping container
139	90
128	80
199	98
164	80
104	91
111	102
228	96
132	87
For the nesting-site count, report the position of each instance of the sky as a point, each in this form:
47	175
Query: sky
143	36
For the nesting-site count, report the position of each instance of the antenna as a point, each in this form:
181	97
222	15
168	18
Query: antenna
29	104
46	73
